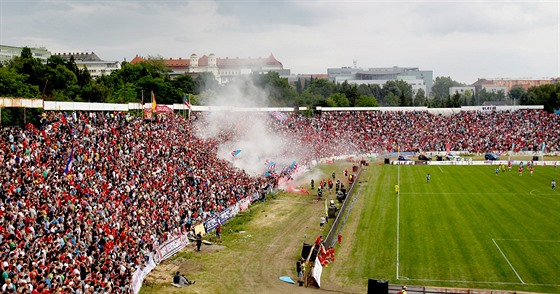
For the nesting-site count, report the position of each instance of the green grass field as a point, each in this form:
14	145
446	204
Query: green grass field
467	228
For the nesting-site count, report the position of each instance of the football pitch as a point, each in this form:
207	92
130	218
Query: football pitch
466	228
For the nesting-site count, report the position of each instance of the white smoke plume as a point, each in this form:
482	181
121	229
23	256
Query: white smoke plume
249	132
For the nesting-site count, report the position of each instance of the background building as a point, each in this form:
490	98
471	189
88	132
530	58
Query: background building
9	52
418	79
92	63
507	84
462	90
224	69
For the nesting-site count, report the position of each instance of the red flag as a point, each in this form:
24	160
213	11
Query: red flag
186	101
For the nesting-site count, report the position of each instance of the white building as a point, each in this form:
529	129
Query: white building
9	52
418	79
461	90
92	63
223	69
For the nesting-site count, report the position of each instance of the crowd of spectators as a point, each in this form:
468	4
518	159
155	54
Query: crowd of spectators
86	196
360	132
129	186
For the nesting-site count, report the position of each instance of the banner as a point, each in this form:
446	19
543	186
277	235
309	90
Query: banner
255	197
140	274
317	271
147	113
211	223
225	215
244	204
161	253
171	246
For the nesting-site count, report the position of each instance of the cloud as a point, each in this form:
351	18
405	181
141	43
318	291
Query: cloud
461	39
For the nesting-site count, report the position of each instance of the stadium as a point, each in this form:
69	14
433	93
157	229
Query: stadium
96	200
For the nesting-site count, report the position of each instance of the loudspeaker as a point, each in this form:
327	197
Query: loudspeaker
305	250
378	286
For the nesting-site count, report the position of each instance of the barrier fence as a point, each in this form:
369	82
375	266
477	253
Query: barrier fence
342	214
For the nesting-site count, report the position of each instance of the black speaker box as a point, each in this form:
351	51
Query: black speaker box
378	286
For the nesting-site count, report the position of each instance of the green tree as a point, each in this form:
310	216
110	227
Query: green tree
205	81
419	98
366	101
340	100
517	94
392	99
13	84
406	93
364	90
321	87
390	87
184	83
308	99
455	100
281	93
440	88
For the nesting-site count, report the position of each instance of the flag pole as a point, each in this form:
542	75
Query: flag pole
142	105
189	97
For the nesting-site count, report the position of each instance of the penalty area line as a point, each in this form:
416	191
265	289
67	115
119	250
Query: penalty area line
510	265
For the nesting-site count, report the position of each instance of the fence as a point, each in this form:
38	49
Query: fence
340	219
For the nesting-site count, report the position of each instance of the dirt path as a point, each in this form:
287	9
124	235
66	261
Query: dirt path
252	260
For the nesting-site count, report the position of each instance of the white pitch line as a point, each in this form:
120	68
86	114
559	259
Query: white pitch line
524	240
481	282
510	265
459	193
440	169
398	217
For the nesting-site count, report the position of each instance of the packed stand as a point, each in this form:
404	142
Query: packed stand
360	132
84	225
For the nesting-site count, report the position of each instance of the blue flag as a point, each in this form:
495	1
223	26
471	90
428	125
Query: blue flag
69	163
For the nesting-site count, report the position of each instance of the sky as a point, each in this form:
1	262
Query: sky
464	40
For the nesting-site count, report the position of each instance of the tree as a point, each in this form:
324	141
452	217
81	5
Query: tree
280	91
184	83
363	89
390	87
339	99
391	99
205	81
517	94
406	93
547	95
455	100
419	98
366	101
321	87
26	53
440	88
13	84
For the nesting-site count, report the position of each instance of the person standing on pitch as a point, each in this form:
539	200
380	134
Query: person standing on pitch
428	178
553	185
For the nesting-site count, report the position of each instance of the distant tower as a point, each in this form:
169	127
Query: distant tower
355	62
212	60
194	63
